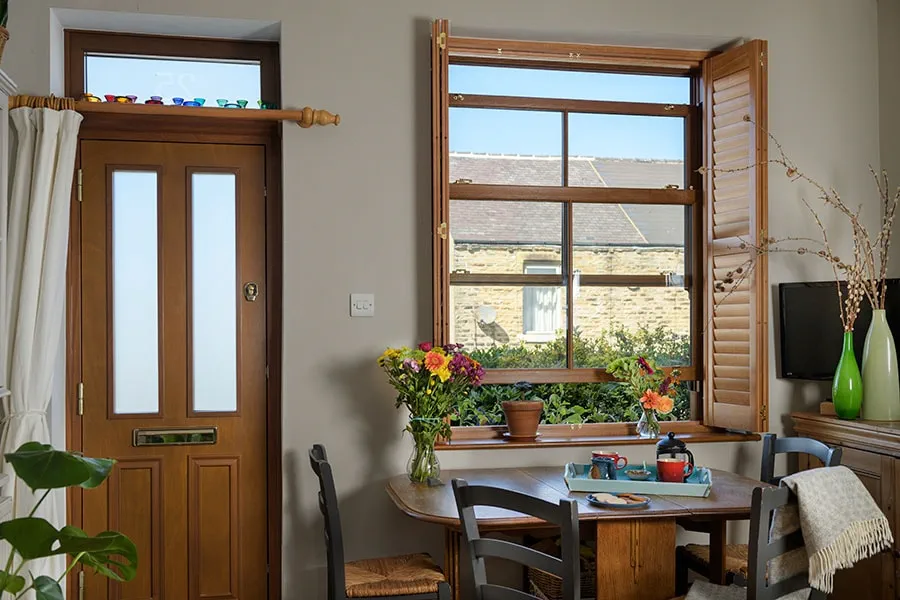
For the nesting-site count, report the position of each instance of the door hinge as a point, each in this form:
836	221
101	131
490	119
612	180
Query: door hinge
81	585
764	414
80	398
442	40
267	371
265	191
79	183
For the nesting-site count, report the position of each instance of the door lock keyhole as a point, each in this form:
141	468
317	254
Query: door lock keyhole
251	291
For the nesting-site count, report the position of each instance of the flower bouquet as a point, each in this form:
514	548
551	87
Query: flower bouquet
650	387
430	381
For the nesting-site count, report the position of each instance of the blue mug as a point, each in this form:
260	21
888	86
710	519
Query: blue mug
603	468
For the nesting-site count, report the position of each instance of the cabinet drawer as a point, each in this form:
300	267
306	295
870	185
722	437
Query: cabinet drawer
859	461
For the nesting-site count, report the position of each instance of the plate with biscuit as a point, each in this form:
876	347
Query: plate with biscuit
620	500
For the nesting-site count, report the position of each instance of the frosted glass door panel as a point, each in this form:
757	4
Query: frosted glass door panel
215	291
135	290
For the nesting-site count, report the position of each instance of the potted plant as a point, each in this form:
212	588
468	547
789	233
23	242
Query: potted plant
523	415
430	381
109	553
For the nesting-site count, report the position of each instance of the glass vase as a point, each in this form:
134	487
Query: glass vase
881	386
423	465
847	387
648	426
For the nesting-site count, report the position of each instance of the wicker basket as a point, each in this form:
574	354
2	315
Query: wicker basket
4	36
549	587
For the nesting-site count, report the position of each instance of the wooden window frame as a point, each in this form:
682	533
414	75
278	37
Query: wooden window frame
165	128
560	56
79	44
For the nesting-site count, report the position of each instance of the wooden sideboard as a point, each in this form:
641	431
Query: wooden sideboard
872	450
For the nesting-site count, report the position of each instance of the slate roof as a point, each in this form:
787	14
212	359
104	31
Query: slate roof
595	224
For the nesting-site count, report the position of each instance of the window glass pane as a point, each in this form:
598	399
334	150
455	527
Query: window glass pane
625	151
492	323
499	237
564	403
576	85
622	321
214	291
512	147
135	291
170	77
628	239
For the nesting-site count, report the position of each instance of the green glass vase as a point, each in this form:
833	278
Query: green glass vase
879	371
847	387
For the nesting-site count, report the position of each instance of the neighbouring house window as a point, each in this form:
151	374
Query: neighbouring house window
542	312
573	224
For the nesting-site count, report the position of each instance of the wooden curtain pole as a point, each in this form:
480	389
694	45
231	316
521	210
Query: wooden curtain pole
52	102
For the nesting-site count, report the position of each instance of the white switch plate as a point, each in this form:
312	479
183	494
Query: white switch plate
362	305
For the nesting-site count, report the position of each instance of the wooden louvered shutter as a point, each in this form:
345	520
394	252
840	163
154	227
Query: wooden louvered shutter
440	174
736	336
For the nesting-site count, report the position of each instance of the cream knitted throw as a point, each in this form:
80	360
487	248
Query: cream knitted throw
840	521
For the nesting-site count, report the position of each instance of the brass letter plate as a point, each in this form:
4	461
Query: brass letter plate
190	436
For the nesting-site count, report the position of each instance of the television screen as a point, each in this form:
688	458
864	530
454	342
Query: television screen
811	332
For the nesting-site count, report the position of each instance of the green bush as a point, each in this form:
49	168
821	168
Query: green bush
575	403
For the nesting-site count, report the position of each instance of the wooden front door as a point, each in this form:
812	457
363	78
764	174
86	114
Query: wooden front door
173	279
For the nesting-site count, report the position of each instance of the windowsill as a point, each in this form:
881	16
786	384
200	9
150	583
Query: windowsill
599	434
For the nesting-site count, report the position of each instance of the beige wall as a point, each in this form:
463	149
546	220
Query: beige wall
361	191
889	98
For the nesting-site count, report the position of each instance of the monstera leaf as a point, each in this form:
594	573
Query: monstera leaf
105	550
31	537
43	468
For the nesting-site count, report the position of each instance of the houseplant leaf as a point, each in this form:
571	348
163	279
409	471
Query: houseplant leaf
41	467
106	548
30	536
46	588
11	583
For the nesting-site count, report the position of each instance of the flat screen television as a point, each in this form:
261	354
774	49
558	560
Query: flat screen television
811	332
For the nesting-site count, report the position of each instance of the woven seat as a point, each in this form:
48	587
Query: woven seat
736	556
409	574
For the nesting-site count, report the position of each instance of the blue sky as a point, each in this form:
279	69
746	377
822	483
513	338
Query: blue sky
530	132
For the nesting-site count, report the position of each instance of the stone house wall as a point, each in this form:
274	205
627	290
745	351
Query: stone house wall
597	308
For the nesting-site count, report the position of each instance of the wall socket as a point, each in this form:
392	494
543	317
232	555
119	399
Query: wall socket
362	305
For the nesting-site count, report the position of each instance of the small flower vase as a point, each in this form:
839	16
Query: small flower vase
847	387
423	465
648	426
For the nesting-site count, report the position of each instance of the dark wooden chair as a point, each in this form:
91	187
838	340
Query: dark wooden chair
695	557
762	550
407	577
564	515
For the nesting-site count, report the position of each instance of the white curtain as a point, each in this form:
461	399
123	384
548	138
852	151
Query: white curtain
37	243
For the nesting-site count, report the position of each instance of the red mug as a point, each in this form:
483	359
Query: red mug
613	455
674	470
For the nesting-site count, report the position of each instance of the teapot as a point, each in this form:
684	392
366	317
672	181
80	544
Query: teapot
670	447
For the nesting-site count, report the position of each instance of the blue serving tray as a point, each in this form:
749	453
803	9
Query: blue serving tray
578	478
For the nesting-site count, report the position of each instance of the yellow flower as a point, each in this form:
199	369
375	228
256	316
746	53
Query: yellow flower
443	373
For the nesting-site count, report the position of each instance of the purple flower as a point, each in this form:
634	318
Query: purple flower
425	346
664	386
411	364
642	362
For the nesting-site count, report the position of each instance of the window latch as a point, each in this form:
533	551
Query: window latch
672	186
463	180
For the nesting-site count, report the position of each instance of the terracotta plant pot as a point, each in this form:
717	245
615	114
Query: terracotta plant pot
522	418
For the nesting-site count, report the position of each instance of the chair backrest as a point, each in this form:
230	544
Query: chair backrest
564	515
328	504
772	445
763	550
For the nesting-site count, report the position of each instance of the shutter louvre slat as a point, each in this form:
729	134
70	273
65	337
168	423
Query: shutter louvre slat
736	360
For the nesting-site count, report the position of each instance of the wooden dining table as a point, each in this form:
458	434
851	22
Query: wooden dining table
635	547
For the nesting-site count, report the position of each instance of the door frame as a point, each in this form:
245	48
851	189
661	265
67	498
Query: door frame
179	130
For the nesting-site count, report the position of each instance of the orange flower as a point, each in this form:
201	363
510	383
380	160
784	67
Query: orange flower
665	405
435	361
650	399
